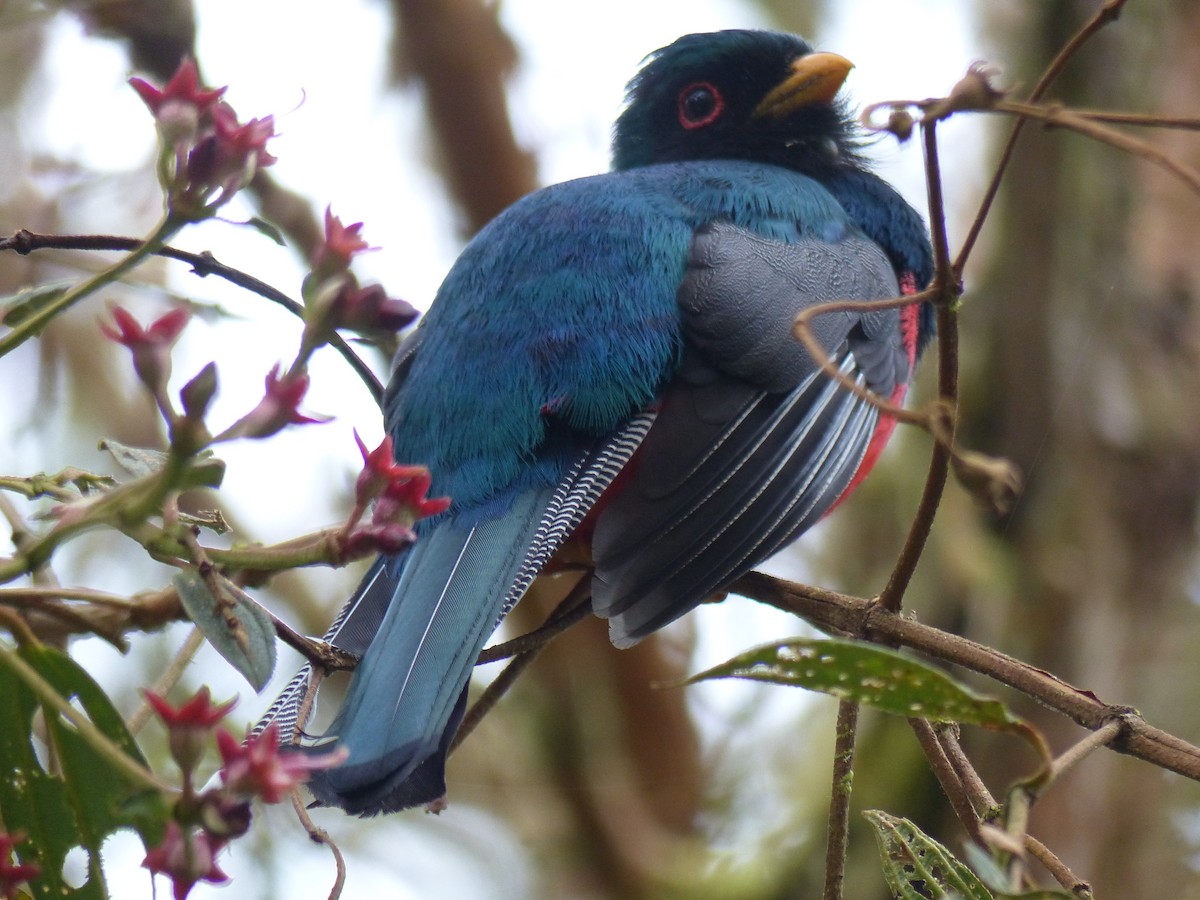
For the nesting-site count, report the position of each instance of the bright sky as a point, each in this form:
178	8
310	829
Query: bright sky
344	141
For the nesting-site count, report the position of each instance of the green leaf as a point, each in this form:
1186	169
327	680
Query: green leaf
88	799
916	867
29	301
137	461
202	471
239	629
270	229
870	674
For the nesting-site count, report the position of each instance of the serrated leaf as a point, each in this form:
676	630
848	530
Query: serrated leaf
239	629
29	301
262	226
137	461
916	867
869	674
88	799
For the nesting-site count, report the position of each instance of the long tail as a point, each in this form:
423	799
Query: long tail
351	632
409	691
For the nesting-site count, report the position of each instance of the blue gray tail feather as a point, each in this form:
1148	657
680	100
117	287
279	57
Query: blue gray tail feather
351	632
408	694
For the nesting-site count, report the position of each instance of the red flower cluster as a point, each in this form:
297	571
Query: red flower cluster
332	294
258	769
400	496
207	154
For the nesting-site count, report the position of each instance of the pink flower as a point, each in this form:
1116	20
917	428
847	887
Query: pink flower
342	243
208	155
185	858
198	712
370	309
151	347
222	162
406	500
278	408
400	494
189	726
379	470
14	874
260	768
245	142
183	88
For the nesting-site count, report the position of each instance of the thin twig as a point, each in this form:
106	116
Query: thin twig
34	594
1061	117
947	776
1097	739
1057	868
1103	16
562	619
892	596
304	710
802	330
319	835
828	610
838	840
1183	123
985	804
981	798
203	264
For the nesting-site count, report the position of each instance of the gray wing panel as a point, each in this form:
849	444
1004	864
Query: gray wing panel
753	443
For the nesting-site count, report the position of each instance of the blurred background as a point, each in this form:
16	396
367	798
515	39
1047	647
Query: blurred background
423	119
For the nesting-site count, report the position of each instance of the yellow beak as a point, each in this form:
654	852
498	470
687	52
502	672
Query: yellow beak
815	78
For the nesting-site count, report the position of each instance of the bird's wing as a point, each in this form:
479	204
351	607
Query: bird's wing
752	444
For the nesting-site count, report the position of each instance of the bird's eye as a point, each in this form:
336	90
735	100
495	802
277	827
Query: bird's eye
700	104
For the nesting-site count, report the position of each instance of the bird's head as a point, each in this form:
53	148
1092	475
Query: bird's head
751	95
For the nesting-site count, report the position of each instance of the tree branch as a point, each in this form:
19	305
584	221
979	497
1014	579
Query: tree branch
829	610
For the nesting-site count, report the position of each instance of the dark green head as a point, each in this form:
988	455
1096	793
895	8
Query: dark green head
751	95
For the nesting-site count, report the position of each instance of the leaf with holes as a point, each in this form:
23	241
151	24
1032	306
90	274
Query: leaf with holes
916	867
87	798
869	674
239	629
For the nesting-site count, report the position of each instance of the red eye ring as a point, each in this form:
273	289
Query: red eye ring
700	104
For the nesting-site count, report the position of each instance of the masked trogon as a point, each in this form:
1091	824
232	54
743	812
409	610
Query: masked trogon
613	357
